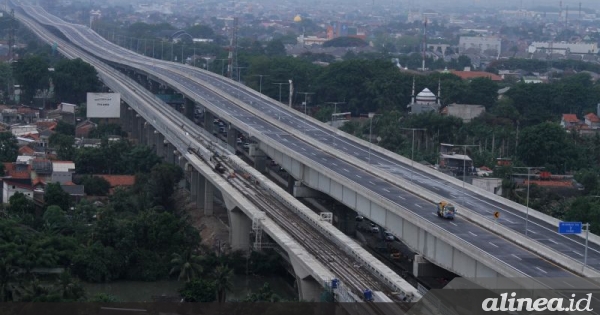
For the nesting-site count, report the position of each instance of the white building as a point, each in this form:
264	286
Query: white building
10	188
480	43
564	48
23	130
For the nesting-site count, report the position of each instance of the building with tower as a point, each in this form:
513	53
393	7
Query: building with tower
425	101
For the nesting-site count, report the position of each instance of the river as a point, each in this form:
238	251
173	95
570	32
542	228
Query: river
139	291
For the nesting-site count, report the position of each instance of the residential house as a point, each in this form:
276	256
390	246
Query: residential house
21	130
118	181
569	121
82	130
88	143
16	178
62	171
592	121
77	192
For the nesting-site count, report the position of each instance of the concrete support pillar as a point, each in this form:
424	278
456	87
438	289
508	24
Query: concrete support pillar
189	108
149	130
129	121
301	191
160	148
239	229
200	192
424	268
232	136
194	181
260	163
208	197
209	119
308	288
170	156
141	133
290	185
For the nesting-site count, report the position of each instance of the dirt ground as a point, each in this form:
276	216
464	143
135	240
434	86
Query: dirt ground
213	228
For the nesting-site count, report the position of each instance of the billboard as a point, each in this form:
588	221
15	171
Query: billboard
103	105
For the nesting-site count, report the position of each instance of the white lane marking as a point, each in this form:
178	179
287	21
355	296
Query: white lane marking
324	159
346	170
418	205
578	253
386	190
509	221
303	149
372	183
468	203
435	188
540	269
530	231
553	241
401	197
493	244
472	233
452	223
517	257
294	144
565	282
333	164
358	176
313	153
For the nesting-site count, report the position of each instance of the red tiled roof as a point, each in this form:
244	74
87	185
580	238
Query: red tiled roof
119	180
467	75
592	117
550	183
571	118
10	170
34	136
25	150
46	125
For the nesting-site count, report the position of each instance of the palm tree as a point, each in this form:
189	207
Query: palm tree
222	280
68	287
188	265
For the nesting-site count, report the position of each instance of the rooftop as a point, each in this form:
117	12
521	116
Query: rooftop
468	75
570	118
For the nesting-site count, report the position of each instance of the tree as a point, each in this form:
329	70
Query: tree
546	144
8	279
188	266
20	204
73	79
264	294
54	195
65	144
54	218
275	48
65	128
163	178
345	42
222	281
95	185
9	148
69	288
198	290
32	74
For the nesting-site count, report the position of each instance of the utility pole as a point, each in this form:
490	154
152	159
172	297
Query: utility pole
280	84
465	164
260	81
528	168
305	101
335	107
412	154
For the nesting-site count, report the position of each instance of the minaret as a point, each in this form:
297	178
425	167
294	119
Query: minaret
413	91
439	91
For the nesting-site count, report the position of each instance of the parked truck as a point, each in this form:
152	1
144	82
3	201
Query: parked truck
446	210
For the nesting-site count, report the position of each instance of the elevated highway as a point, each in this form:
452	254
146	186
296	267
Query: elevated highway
374	184
315	250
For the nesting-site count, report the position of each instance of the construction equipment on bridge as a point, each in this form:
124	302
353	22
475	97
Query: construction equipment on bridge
446	210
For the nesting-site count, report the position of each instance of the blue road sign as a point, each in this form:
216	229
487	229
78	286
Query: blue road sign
569	227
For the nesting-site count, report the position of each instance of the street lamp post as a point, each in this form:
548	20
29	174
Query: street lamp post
465	164
335	108
280	84
305	101
412	154
239	72
527	200
260	81
371	115
222	66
